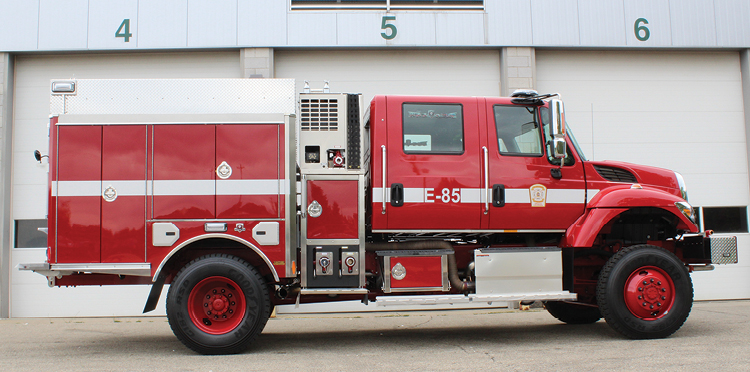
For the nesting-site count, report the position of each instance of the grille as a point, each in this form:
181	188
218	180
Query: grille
615	174
319	115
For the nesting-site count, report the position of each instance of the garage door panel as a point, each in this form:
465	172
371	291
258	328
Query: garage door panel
654	96
657	127
660	108
31	115
417	72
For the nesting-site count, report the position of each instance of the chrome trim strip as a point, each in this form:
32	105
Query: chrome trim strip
470	231
472	298
208	236
314	291
384	183
486	180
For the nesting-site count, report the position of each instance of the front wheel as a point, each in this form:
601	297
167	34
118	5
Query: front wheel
217	304
645	292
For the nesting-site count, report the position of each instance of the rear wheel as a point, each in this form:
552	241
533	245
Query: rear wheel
570	313
217	304
645	292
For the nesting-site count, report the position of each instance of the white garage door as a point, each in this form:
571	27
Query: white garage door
427	72
675	110
30	295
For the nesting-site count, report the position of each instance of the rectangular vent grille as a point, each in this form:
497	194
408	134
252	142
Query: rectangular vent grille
319	115
615	174
353	135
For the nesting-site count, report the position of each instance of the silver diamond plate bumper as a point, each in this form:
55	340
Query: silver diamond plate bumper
723	249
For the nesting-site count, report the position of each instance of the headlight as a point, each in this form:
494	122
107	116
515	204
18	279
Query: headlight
681	183
686	210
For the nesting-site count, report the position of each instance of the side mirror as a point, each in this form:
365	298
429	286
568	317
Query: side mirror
38	156
559	147
557	111
557	119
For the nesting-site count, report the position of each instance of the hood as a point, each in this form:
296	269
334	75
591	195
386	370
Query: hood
617	171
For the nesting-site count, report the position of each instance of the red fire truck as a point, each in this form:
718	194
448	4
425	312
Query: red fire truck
243	195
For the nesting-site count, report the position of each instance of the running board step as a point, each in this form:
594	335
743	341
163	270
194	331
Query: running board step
472	298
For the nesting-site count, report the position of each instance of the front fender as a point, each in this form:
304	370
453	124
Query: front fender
607	204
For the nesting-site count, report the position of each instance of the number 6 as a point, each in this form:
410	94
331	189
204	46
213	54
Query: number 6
638	27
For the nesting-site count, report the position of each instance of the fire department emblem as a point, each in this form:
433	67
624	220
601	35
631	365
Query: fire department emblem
538	195
109	194
224	171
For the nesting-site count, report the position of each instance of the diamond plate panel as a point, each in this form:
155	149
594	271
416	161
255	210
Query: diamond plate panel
177	96
723	250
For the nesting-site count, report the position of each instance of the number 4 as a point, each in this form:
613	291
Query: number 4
124	30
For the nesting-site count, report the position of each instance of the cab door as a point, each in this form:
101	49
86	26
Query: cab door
528	189
433	164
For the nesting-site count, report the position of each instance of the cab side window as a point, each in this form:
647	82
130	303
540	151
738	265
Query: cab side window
518	130
431	128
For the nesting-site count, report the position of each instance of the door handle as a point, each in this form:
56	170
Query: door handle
397	194
498	195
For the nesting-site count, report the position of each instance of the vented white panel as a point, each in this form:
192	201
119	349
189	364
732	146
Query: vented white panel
178	96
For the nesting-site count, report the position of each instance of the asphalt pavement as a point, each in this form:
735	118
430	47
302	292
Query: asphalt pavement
716	337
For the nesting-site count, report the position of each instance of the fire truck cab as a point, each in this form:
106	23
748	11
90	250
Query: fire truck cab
242	196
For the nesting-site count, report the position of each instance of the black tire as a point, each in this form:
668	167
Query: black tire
218	304
660	294
571	313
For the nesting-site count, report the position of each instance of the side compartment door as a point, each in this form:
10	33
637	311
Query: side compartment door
184	171
433	164
527	193
247	167
123	193
79	170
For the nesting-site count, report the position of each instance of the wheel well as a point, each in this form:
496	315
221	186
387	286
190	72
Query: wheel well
213	245
639	226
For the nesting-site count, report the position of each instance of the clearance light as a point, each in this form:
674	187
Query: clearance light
686	210
636	186
63	87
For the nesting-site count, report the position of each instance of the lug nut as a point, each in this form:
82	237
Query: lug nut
223	290
205	305
640	297
208	312
663	289
658	304
644	304
640	289
663	298
658	283
645	282
229	295
652	306
214	291
652	280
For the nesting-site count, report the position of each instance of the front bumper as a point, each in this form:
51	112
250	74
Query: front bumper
717	250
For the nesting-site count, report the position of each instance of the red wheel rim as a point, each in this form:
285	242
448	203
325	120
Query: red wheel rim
649	293
216	305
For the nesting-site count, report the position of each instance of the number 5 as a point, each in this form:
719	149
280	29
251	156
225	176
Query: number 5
385	26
